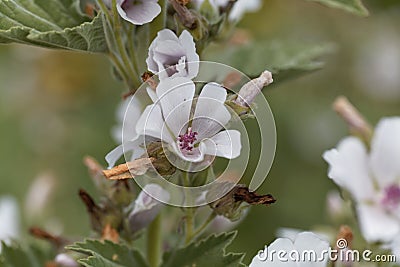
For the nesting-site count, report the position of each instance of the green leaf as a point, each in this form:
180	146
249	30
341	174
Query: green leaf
286	60
108	254
206	253
52	24
32	256
353	6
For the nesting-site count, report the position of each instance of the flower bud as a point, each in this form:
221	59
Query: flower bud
250	90
146	208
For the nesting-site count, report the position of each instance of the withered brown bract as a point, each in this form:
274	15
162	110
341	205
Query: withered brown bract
243	194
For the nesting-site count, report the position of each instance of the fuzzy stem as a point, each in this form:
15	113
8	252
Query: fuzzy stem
154	242
160	21
189	217
120	44
205	224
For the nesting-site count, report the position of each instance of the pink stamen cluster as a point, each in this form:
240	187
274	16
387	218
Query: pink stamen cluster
187	140
392	196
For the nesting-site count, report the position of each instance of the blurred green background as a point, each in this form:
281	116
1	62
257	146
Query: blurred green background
56	107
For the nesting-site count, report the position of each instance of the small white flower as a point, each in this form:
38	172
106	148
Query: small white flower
9	219
239	9
64	260
293	251
168	120
169	117
372	178
146	208
138	12
170	56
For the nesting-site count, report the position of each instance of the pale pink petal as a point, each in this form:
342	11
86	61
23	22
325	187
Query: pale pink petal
385	152
192	58
376	224
195	155
308	241
225	144
138	12
133	147
151	123
349	168
272	259
175	97
210	115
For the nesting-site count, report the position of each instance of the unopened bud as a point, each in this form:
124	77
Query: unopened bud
146	207
64	260
251	89
356	122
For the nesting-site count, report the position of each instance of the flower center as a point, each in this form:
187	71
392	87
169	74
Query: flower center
391	197
187	140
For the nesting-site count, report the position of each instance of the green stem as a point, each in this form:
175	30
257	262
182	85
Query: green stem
189	216
160	21
132	51
120	44
201	228
154	242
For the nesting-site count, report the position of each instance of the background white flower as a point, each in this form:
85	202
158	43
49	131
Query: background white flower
239	8
9	219
300	242
372	178
138	12
170	56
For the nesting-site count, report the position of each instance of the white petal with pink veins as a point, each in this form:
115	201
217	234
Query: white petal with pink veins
225	144
175	97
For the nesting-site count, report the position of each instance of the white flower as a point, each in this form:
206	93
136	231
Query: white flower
191	137
239	8
170	56
9	219
138	12
372	178
169	117
146	208
293	252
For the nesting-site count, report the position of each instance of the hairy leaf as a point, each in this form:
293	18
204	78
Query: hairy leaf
52	24
285	60
206	253
32	256
353	6
108	254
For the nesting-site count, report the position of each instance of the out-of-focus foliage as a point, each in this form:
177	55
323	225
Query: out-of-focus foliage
32	256
285	59
53	24
353	6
